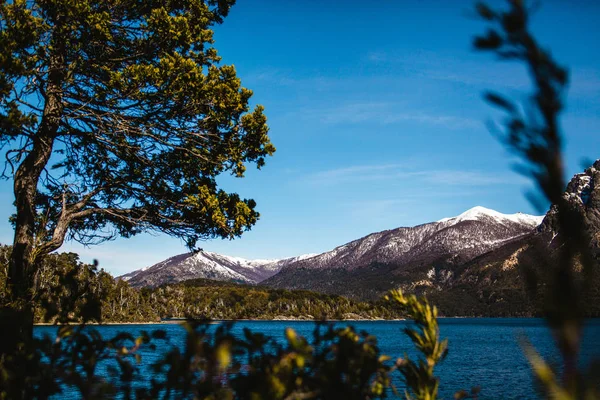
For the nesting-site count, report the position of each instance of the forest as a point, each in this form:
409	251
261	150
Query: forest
62	278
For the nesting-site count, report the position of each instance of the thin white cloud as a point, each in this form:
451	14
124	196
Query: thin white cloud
463	178
280	77
354	173
478	70
448	121
380	210
377	57
383	113
396	173
272	76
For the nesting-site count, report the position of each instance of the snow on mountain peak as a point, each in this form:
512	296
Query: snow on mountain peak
479	212
304	256
235	260
386	246
209	265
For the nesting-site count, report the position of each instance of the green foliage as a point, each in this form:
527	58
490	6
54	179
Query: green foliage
204	299
419	375
128	100
537	138
337	362
72	360
215	364
116	118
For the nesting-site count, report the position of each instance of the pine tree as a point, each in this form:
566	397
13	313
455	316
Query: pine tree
117	117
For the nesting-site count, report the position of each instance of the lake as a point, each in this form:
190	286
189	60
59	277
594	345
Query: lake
484	352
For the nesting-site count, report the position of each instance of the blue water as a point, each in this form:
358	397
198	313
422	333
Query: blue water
484	352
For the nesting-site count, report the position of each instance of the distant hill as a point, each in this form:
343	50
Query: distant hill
455	240
511	279
480	263
208	265
370	266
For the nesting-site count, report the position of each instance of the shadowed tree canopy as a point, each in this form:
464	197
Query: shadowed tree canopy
116	117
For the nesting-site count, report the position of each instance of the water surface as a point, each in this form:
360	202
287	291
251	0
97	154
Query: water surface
484	352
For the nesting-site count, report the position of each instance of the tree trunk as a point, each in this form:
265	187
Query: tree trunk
16	319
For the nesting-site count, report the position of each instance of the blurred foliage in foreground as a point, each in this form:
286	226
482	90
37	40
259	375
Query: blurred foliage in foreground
531	129
337	363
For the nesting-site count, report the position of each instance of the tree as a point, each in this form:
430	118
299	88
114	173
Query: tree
116	118
532	130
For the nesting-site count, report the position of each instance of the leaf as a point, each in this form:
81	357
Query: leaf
491	41
500	101
484	11
223	354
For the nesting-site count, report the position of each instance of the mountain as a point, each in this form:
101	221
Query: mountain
479	263
347	269
513	279
368	267
582	198
208	265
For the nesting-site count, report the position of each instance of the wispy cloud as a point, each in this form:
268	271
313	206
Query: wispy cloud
464	178
395	173
377	57
354	174
281	77
474	70
272	76
383	113
379	210
477	71
385	212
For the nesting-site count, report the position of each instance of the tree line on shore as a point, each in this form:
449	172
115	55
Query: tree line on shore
66	288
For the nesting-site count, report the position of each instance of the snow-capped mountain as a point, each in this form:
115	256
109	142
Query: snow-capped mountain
405	252
204	264
582	196
481	213
470	264
457	239
509	280
471	233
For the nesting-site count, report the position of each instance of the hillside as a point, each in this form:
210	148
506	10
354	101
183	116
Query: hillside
454	240
207	265
368	267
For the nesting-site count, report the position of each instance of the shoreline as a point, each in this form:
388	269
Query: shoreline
216	321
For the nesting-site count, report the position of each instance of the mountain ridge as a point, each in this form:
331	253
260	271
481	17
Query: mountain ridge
404	254
208	265
373	247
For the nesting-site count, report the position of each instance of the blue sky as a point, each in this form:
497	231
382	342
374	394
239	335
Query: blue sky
376	112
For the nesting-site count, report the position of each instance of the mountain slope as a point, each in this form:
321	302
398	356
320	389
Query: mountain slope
207	265
369	266
478	263
451	240
513	279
